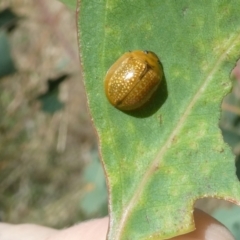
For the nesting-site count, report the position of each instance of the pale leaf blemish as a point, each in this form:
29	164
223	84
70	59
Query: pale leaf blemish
221	45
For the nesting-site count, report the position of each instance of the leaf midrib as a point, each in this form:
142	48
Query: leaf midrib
156	161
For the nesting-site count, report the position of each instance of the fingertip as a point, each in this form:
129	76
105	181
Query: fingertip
207	228
218	232
93	229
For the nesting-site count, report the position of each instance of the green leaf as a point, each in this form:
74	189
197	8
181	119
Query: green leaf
70	3
94	201
230	118
161	158
49	99
8	19
7	65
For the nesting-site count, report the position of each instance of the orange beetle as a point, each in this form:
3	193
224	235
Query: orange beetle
132	79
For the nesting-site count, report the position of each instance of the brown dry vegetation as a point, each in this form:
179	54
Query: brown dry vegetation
41	155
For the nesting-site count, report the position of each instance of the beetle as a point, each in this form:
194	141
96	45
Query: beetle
132	79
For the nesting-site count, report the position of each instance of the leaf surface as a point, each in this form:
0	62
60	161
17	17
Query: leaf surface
7	65
162	157
50	99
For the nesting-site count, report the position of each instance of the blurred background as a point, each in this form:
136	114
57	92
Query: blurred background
50	173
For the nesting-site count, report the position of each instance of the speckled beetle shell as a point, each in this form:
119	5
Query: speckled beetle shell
132	79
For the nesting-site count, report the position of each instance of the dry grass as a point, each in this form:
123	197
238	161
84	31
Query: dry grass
41	155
